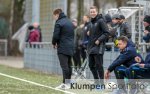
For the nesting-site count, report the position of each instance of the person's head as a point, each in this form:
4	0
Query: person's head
30	27
86	18
122	42
93	11
56	13
146	20
75	22
115	19
122	18
35	24
108	18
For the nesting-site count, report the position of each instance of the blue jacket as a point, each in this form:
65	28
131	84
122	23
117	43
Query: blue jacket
126	57
63	35
146	38
85	30
147	61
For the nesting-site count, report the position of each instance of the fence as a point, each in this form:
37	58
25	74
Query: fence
3	47
42	57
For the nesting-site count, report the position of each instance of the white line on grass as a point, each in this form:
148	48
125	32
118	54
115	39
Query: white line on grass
37	84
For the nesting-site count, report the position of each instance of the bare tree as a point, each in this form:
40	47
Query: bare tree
68	8
80	10
11	25
16	21
96	3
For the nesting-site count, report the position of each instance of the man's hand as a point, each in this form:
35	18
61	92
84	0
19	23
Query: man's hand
107	75
97	42
142	65
137	59
88	33
146	32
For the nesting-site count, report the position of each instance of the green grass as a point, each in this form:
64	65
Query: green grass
12	86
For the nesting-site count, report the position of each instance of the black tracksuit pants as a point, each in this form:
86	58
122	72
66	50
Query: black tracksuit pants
65	63
96	66
77	58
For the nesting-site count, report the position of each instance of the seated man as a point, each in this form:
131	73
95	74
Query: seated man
140	70
123	61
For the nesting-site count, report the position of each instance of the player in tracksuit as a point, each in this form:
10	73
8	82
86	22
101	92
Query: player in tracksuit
140	70
123	61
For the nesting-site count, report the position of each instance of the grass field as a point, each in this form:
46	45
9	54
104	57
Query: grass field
12	86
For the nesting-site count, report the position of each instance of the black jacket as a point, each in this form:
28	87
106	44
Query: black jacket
98	31
125	30
86	28
126	57
147	61
63	35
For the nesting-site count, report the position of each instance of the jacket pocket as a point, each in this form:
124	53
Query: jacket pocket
101	49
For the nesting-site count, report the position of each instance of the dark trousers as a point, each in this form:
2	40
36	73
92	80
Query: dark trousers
65	63
83	53
120	73
77	58
135	72
96	66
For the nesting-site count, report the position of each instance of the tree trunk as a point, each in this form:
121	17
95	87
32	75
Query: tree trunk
16	21
119	3
80	10
96	3
10	26
68	8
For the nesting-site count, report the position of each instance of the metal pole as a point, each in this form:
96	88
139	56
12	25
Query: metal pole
36	11
139	23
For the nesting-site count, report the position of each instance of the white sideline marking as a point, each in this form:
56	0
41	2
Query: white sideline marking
23	80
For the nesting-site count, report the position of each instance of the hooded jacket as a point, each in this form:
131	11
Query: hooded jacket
63	35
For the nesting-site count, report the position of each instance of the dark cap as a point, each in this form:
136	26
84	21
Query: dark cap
122	16
30	27
108	18
116	16
147	19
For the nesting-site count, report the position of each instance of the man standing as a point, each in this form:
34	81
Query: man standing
77	38
37	27
124	27
146	37
85	36
63	40
97	36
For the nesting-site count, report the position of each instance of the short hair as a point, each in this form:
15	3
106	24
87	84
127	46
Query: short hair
94	7
123	38
57	11
88	16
